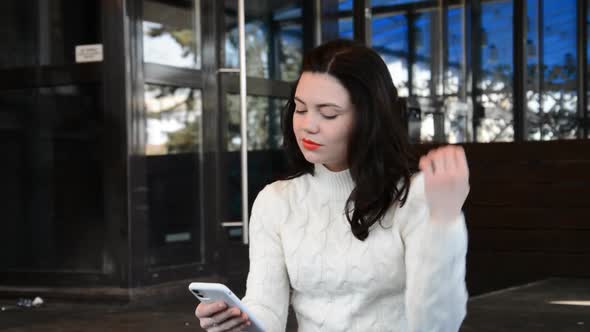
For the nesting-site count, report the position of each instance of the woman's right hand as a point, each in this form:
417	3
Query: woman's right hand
217	317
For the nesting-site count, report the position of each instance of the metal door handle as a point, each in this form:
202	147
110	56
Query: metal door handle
244	119
232	224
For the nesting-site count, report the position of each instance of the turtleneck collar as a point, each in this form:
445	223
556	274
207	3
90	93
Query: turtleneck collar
337	185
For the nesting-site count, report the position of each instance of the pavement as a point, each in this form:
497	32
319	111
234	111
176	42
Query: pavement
556	305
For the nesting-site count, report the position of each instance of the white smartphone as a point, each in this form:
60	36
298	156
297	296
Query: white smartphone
210	292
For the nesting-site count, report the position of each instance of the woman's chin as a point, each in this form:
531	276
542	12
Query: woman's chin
310	157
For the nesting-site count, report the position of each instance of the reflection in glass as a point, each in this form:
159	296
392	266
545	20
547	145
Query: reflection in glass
171	33
533	92
344	5
345	28
173	146
291	51
497	71
173	119
265	158
421	70
422	85
276	116
257	48
264	122
427	125
455	62
456	109
273	46
390	40
456	120
290	36
557	116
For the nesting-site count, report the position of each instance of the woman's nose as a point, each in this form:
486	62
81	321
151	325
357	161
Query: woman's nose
310	124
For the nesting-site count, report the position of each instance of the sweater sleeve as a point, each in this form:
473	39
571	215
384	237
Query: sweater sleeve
436	295
267	287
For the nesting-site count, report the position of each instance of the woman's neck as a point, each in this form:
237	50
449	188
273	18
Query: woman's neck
334	184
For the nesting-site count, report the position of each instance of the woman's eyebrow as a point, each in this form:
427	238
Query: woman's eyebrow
320	105
299	100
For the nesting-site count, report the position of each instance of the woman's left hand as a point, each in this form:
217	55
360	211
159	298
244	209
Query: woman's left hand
446	182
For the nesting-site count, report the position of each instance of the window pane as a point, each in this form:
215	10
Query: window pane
274	40
52	179
171	33
290	37
345	28
173	119
390	40
557	118
421	70
173	198
456	108
422	84
174	127
533	93
455	63
265	158
264	122
496	74
257	47
552	96
344	5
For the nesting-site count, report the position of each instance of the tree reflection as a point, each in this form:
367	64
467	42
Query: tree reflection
184	37
173	119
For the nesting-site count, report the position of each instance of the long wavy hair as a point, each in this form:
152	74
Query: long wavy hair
379	155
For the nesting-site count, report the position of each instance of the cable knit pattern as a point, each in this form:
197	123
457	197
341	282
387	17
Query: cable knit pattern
408	275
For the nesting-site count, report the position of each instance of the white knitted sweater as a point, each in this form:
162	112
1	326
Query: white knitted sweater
408	275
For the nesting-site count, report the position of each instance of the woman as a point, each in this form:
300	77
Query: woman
355	239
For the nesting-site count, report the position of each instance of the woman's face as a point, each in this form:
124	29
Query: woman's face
323	120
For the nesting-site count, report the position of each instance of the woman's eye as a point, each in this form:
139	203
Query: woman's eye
300	111
329	117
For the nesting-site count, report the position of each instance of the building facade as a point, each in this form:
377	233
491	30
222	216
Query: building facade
121	133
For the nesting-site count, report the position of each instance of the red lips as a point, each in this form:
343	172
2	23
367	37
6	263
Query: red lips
310	145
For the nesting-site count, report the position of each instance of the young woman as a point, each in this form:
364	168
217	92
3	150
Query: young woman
356	239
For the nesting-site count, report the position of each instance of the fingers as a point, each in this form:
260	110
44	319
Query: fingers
224	321
209	309
448	159
446	181
231	324
226	314
438	159
426	165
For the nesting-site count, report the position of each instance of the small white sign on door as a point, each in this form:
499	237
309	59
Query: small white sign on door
89	53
